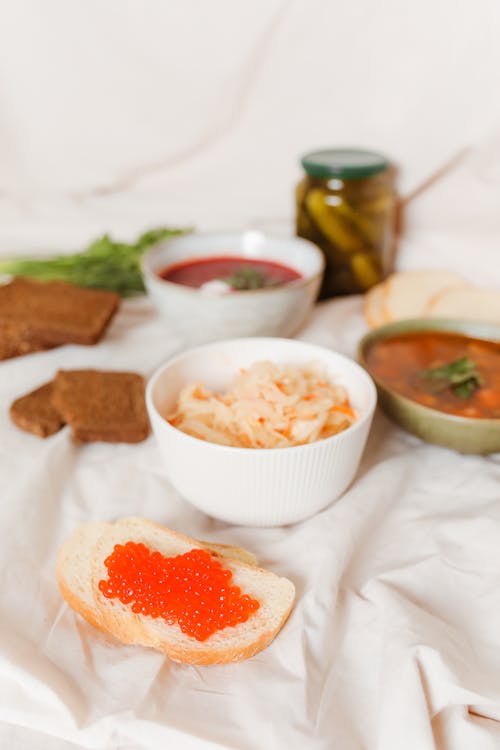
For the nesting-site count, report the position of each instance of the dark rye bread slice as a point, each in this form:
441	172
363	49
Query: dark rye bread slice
35	412
16	340
102	406
51	313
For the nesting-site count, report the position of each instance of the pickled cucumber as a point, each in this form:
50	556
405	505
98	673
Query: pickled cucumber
331	223
381	205
301	192
371	229
304	226
366	270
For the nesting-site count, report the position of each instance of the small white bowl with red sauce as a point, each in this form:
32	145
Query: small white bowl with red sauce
224	285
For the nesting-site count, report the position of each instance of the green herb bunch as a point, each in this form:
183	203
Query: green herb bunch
104	264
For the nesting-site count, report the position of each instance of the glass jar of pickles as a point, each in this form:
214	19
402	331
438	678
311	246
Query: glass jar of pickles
346	205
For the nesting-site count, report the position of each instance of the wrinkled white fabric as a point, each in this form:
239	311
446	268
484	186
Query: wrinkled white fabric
393	641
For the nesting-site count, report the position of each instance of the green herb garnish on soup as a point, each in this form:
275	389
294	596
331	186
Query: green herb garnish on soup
461	376
249	278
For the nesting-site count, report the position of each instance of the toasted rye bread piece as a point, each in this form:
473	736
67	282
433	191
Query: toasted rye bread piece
470	303
35	412
102	405
55	313
407	294
74	564
374	306
231	644
16	339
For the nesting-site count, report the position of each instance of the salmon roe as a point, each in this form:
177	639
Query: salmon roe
192	590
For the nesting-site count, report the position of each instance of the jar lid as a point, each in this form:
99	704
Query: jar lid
347	163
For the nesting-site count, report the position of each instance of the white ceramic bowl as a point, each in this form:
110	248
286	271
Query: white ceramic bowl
199	316
258	487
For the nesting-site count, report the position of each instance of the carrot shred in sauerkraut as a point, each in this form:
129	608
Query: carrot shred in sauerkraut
267	406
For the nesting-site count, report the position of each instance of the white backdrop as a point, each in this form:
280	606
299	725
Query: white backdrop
195	112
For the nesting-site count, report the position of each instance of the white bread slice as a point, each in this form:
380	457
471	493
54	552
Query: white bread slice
374	306
407	294
73	568
231	644
228	550
470	303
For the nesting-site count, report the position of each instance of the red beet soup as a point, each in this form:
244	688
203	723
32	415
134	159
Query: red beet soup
239	273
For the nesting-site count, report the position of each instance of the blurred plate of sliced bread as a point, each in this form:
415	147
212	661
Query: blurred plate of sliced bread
429	293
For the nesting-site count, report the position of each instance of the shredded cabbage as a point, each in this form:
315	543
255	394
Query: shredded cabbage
267	406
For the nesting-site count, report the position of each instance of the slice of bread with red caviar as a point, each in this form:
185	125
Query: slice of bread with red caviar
234	643
74	564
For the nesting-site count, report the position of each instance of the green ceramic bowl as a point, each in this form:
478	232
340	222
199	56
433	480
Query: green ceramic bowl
463	434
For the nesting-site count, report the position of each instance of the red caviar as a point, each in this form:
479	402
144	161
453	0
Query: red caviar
192	590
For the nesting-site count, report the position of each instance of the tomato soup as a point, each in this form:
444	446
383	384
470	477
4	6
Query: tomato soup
449	372
239	273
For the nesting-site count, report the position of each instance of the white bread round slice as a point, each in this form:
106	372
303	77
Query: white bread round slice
74	563
232	644
469	303
407	294
373	307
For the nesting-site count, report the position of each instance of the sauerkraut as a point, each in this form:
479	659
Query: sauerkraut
266	406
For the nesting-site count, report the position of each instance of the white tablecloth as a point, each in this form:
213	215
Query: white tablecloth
195	114
394	639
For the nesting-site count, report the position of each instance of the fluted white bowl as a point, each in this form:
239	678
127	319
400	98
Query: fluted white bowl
199	316
258	487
